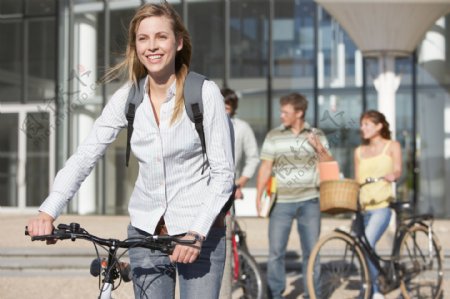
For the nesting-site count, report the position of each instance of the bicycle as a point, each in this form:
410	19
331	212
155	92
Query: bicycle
248	282
415	263
111	269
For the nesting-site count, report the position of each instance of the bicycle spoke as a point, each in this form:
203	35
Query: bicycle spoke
421	266
339	269
250	284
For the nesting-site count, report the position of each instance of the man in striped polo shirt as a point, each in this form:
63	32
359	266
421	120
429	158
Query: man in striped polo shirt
290	153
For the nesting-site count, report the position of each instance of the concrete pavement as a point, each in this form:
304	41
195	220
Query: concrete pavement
35	270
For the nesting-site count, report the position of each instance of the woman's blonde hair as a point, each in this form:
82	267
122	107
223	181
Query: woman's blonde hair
135	70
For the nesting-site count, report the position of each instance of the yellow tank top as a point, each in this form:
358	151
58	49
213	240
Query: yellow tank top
376	195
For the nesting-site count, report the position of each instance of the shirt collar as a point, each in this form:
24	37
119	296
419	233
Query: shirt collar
306	128
170	92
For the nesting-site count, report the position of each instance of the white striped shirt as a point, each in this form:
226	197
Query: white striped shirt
170	182
245	149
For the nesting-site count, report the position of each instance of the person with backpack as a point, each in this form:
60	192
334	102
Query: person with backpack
184	178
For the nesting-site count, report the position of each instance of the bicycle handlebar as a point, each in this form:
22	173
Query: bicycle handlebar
164	243
371	180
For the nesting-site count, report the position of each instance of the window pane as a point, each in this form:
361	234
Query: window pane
206	27
8	160
404	124
85	1
433	150
10	7
41	60
37	171
339	61
433	120
293	40
249	42
11	62
41	7
120	20
433	54
339	119
252	107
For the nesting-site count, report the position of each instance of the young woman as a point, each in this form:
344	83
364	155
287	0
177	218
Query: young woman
171	193
378	156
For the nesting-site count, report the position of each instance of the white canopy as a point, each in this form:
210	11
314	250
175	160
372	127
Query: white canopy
393	27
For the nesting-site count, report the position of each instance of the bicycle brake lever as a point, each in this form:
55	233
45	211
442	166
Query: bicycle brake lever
63	226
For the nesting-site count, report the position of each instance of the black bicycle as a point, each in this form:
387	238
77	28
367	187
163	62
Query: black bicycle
415	263
110	270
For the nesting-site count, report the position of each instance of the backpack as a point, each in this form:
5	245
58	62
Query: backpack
192	100
193	103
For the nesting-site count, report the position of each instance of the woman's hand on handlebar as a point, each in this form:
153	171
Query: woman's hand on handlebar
41	225
186	254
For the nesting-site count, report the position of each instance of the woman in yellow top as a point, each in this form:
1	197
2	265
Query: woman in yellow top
378	156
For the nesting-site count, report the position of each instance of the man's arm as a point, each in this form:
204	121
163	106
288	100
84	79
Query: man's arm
264	174
251	158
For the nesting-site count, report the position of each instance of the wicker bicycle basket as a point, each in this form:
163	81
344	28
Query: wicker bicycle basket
338	196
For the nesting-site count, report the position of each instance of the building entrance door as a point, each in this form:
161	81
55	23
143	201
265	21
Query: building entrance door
27	154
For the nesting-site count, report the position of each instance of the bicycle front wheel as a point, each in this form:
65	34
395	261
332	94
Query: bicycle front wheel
343	271
420	259
249	283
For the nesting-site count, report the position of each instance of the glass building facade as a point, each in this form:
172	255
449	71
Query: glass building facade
53	54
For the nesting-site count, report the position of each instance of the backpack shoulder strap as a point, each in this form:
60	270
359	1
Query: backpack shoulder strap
193	85
193	102
135	97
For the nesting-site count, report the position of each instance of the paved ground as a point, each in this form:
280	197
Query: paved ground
35	270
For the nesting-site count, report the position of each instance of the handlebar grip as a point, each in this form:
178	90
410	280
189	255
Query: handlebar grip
56	234
174	240
42	238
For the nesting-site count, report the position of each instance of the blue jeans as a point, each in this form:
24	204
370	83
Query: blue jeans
154	274
307	214
375	224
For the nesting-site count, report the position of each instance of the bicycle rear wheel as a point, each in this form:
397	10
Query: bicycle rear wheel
343	269
250	284
421	264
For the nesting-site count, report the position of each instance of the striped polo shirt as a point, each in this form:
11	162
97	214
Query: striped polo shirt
294	163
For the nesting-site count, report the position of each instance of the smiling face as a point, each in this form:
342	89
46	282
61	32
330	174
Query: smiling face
369	128
157	46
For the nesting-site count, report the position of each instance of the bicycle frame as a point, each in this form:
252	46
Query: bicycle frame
237	240
109	274
246	274
387	268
